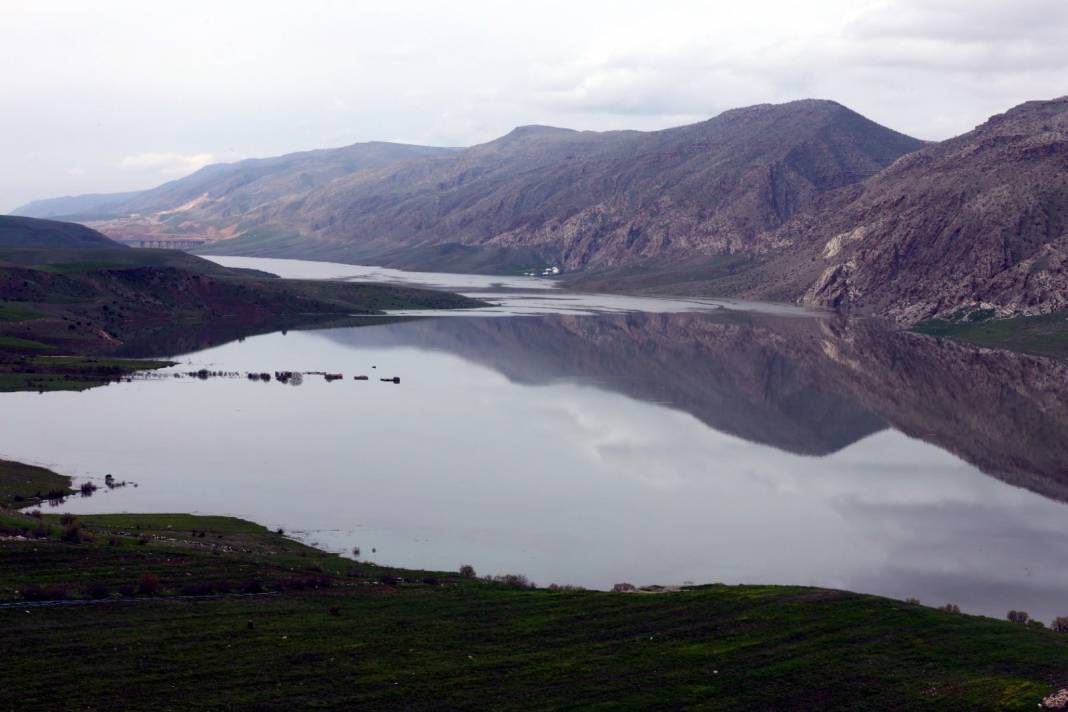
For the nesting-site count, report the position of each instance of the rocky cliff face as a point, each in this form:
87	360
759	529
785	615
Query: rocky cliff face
978	223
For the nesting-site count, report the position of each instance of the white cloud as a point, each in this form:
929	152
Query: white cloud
76	171
166	163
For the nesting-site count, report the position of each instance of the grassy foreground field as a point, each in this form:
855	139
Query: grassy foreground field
184	612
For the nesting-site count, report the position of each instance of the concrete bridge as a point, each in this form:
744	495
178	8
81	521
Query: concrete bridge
165	243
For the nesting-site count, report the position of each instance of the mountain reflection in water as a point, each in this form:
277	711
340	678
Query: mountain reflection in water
654	448
806	386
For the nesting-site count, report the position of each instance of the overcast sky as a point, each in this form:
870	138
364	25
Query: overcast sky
104	96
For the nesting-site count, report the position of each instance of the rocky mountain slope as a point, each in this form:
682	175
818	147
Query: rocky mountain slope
586	199
536	196
77	207
210	204
806	201
972	227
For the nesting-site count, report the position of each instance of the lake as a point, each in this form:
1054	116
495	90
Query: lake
596	439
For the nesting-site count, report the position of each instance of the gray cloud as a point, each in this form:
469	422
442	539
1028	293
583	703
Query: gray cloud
89	84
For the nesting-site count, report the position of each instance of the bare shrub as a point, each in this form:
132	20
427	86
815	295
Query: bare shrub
203	588
67	519
36	513
33	592
252	586
565	588
1060	624
467	571
97	591
950	608
514	581
1020	617
912	601
148	584
74	534
1035	624
624	588
301	583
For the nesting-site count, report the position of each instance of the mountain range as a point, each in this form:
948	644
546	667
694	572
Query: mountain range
806	201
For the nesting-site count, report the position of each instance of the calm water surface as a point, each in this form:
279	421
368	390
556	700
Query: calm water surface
684	441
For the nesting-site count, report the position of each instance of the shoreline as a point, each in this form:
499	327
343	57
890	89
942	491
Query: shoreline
242	611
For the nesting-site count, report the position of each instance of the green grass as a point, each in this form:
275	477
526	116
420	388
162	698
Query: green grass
11	313
1046	334
367	642
12	343
22	485
60	259
65	373
161	523
100	300
700	276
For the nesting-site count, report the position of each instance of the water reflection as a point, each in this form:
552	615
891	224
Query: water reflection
654	448
807	386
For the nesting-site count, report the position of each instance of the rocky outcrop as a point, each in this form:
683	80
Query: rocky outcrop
976	223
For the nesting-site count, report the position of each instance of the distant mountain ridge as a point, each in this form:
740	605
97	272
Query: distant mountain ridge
590	200
806	201
76	207
208	204
537	195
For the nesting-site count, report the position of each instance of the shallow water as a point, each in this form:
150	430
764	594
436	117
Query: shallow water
656	446
508	295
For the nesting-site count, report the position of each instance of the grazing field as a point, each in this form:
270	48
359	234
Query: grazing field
218	613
